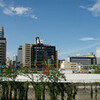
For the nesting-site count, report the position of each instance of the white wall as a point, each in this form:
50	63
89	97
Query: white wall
85	78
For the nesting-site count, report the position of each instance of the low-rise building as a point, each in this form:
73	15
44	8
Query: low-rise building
83	59
70	65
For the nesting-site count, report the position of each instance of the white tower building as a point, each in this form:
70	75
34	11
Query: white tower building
98	55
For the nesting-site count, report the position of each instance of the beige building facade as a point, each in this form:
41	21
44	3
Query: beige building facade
98	55
26	52
69	65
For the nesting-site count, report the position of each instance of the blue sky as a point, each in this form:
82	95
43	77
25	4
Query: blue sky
73	26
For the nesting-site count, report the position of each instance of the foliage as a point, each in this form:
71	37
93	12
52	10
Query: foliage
97	70
50	80
91	92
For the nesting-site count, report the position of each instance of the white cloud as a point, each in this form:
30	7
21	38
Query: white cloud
83	7
34	17
87	39
8	12
20	11
95	9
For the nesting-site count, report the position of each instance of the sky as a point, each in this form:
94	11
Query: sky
73	26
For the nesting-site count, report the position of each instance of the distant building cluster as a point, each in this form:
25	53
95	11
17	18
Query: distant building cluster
75	62
27	55
32	56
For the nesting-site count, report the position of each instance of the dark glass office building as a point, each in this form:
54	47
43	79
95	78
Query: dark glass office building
41	51
83	60
1	32
2	47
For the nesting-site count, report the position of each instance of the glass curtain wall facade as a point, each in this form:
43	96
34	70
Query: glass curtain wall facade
2	47
83	60
2	51
42	51
1	32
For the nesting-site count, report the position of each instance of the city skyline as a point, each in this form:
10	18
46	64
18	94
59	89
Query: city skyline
72	26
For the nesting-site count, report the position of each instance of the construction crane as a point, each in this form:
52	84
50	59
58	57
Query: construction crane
46	70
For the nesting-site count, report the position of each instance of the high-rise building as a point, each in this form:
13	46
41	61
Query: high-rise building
1	32
19	58
2	47
8	62
33	55
41	51
56	54
26	54
98	55
14	60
